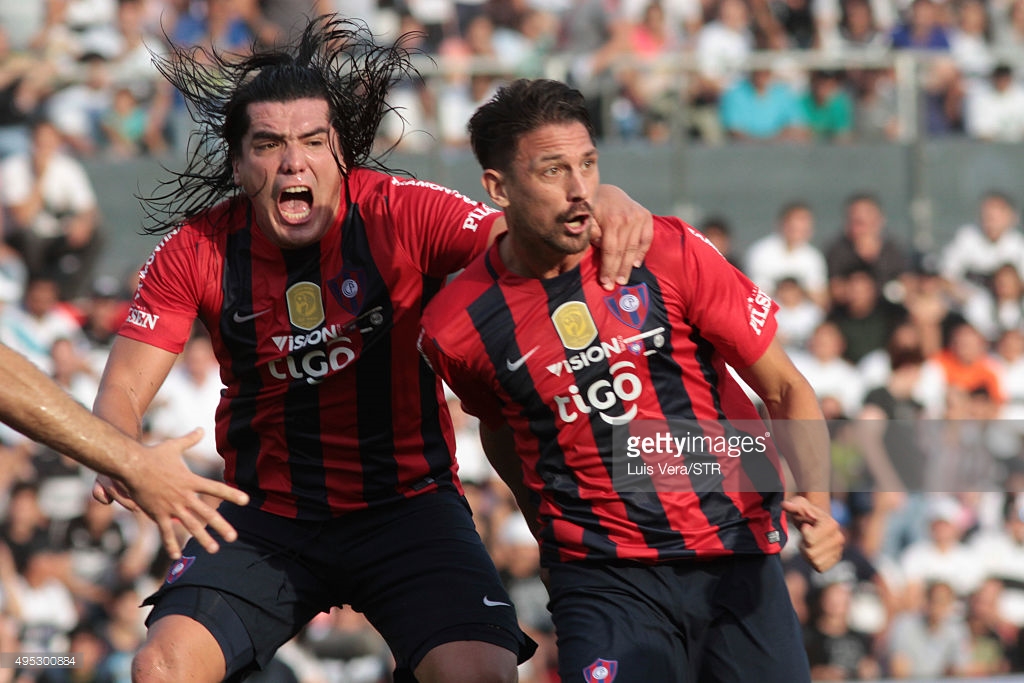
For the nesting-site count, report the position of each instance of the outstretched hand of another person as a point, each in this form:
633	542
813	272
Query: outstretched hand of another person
625	232
822	539
156	480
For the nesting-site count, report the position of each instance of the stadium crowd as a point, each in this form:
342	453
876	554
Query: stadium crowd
918	359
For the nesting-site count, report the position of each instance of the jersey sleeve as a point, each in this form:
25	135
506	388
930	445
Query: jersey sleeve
166	301
440	229
728	309
477	398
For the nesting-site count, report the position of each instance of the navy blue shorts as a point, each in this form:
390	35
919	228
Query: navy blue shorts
720	621
417	569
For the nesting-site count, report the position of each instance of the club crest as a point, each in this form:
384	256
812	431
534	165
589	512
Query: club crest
601	671
179	567
349	289
629	305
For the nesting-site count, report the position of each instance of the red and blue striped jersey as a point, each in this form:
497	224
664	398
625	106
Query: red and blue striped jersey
328	407
562	361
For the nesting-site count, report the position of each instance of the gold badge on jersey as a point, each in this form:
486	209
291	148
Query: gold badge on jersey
305	307
574	324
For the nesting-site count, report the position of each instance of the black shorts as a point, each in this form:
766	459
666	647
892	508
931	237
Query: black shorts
722	621
417	569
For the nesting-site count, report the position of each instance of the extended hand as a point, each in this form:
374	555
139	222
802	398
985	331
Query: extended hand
822	538
159	483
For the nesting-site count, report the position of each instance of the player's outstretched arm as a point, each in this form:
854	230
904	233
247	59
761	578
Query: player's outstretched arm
34	405
801	435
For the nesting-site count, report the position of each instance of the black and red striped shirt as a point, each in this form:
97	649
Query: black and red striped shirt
328	406
562	361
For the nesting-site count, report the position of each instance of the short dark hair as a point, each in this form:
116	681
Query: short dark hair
517	109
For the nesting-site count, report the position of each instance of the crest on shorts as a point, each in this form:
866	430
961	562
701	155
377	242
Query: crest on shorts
575	325
629	305
305	307
179	567
601	671
349	289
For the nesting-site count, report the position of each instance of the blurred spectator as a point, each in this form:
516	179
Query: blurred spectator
73	371
966	363
763	108
978	249
858	29
798	316
721	48
683	18
905	348
24	82
1000	554
33	328
930	643
221	26
992	638
718	230
941	556
594	35
93	24
887	431
835	652
78	109
90	652
53	211
650	89
1008	25
995	110
348	647
971	42
999	307
1009	357
828	372
525	46
789	252
464	90
407	126
864	244
828	107
24	526
41	602
437	18
865	318
124	125
922	30
876	115
944	93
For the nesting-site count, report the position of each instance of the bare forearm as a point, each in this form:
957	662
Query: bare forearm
34	405
801	434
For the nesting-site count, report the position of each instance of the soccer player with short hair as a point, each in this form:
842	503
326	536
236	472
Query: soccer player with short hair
652	585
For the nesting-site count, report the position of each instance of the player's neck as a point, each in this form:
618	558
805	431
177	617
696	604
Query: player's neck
536	260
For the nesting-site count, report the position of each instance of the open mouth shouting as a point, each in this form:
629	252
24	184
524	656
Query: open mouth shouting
295	204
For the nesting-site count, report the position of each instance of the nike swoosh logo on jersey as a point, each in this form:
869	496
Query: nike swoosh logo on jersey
494	603
239	318
513	366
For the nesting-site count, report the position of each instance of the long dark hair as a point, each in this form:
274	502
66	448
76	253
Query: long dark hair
334	59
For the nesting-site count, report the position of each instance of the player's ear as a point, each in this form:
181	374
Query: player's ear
494	183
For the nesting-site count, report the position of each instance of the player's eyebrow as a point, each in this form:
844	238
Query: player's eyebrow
271	135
